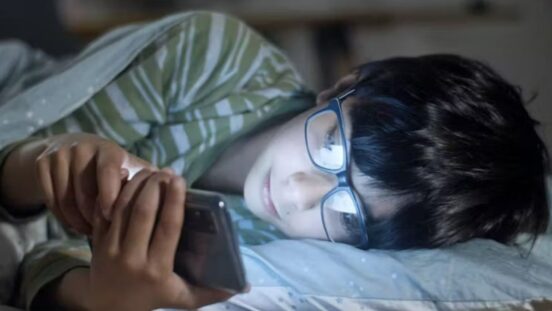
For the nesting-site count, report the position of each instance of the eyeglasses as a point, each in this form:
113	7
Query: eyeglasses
343	216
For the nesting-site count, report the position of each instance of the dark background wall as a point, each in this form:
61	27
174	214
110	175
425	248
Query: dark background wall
36	22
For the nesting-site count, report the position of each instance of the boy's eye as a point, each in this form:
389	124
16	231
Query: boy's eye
350	224
330	153
329	138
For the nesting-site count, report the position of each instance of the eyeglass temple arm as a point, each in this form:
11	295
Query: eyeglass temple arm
342	97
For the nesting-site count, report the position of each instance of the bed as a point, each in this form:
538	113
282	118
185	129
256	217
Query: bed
290	274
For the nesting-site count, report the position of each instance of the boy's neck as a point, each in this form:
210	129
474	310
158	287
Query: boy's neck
230	170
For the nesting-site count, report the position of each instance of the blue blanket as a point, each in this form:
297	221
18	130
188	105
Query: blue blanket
29	102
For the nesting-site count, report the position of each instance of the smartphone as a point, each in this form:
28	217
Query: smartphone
208	253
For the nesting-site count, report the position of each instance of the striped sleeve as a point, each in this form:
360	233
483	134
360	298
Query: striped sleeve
204	83
220	80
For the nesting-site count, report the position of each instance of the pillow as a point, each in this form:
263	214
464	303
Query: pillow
308	274
480	274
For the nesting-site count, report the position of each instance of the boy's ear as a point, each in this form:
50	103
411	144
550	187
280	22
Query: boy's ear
340	86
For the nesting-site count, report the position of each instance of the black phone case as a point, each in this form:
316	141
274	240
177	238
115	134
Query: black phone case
208	251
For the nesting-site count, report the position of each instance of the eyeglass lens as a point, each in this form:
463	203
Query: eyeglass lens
327	150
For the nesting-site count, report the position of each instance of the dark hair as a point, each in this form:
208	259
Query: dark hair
454	139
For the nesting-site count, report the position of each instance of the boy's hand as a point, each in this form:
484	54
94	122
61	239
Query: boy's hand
132	262
77	169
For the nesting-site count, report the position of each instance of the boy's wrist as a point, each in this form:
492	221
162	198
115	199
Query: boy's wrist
20	192
71	292
68	292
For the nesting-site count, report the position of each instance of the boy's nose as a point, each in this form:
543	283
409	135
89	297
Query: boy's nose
306	190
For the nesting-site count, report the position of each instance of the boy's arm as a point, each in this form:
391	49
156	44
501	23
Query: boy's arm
20	194
50	270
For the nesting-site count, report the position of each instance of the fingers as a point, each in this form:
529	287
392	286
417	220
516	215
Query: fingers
82	225
168	170
143	216
60	176
122	209
114	165
63	191
43	166
167	231
56	175
55	182
99	231
83	174
109	173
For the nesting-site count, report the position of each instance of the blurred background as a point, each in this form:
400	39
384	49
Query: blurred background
326	38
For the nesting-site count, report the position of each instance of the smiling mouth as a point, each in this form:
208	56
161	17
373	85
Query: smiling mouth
267	200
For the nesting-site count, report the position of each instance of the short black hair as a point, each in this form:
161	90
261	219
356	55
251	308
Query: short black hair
454	139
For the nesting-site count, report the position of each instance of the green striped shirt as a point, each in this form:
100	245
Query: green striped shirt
182	101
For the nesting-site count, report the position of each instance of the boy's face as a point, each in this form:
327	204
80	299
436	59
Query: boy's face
283	187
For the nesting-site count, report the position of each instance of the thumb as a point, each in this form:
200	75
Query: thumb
111	174
193	297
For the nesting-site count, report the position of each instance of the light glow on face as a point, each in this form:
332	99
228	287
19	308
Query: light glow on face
323	137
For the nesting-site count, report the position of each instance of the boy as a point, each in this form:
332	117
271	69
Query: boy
403	153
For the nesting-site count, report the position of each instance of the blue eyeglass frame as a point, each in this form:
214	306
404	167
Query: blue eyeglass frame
343	179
